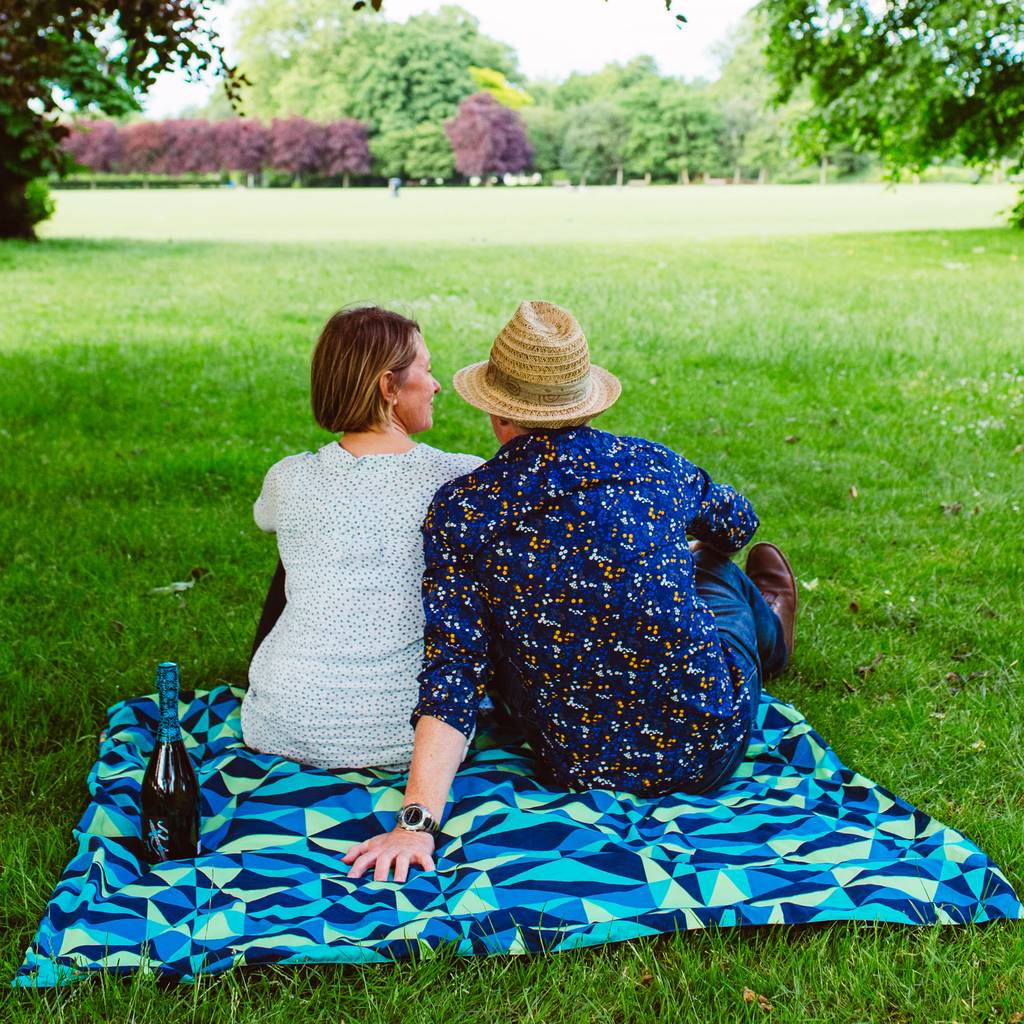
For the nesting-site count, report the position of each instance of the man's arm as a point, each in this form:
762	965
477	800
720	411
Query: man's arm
437	754
724	519
452	685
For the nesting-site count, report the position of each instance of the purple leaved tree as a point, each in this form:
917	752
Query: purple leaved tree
297	146
346	149
488	138
189	148
243	145
95	145
142	146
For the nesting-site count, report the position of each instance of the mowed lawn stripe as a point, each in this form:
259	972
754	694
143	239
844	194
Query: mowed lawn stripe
522	216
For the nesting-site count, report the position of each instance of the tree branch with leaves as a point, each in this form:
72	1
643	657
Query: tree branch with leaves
93	56
913	80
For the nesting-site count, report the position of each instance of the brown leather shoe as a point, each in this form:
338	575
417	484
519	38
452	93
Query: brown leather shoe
768	568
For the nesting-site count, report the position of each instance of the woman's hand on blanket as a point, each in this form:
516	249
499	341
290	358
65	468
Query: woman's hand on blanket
399	849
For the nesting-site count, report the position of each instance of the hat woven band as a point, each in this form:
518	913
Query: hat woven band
545	394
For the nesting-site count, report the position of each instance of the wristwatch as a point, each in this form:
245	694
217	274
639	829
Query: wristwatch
416	818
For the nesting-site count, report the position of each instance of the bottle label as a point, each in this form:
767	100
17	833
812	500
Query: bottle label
168	687
176	838
158	840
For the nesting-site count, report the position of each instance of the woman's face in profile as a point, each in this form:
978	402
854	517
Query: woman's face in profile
414	408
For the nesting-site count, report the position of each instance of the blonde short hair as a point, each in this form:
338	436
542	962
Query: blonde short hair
355	349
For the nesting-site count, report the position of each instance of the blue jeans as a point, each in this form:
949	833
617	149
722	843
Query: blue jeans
750	628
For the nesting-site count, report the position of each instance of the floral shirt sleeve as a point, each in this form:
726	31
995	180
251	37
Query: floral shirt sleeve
453	679
725	520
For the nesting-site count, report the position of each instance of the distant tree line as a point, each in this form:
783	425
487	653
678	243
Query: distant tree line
483	138
404	81
334	95
291	145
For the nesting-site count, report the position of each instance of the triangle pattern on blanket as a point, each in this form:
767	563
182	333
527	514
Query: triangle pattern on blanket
795	837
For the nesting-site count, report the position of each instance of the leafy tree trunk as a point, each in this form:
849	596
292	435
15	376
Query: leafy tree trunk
823	171
345	180
736	175
15	221
762	176
684	175
618	176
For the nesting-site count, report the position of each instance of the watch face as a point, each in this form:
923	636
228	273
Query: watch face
412	817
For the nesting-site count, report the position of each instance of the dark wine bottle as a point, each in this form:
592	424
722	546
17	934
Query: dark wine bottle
170	790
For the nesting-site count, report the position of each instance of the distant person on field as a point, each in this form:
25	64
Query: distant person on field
334	674
561	569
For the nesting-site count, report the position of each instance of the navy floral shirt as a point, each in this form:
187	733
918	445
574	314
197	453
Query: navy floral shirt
559	571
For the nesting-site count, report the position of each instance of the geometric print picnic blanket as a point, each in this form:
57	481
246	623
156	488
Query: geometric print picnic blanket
795	837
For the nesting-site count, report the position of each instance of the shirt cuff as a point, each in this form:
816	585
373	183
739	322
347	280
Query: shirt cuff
739	536
462	719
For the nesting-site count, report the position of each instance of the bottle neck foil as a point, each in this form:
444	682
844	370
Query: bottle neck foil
168	687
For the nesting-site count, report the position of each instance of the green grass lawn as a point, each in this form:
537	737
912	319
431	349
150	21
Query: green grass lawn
865	390
525	216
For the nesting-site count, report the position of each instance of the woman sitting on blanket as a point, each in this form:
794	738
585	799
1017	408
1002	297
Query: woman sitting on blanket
333	683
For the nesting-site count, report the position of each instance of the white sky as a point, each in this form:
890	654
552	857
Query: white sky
552	37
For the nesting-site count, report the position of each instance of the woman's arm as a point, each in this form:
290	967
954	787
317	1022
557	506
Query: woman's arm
272	608
437	752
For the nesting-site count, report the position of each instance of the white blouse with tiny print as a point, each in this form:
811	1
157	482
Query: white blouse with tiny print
334	682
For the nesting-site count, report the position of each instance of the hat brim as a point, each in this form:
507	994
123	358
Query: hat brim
472	385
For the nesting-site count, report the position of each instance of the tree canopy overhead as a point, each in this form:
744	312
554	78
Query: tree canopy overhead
92	55
913	81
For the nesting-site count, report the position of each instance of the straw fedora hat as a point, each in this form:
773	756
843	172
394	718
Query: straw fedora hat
539	373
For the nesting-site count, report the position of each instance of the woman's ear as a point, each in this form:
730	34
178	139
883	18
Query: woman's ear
387	388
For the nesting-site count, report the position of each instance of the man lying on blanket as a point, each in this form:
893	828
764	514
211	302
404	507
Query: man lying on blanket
559	571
